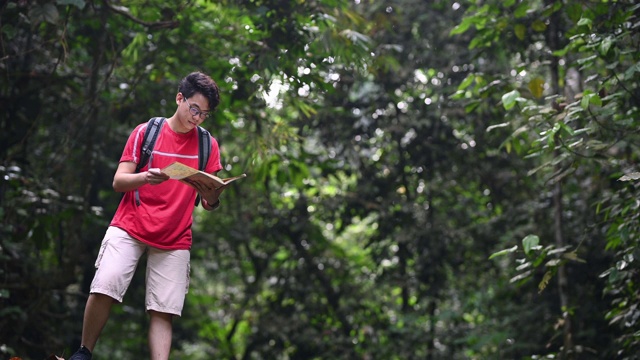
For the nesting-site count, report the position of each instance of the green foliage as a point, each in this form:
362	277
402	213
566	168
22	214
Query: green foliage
537	256
584	124
391	148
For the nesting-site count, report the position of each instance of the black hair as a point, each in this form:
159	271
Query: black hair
198	82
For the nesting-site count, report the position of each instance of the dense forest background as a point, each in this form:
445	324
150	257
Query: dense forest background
426	179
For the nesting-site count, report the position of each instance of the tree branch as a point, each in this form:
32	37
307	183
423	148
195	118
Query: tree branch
167	24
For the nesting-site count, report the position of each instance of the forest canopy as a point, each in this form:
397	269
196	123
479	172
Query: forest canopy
425	179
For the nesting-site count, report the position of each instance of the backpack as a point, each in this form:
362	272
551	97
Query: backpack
151	135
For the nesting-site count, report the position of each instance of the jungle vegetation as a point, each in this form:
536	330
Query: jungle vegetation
426	179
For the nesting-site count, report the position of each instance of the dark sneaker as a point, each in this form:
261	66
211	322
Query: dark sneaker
82	354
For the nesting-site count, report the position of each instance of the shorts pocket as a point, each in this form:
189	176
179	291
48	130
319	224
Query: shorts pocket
101	252
103	246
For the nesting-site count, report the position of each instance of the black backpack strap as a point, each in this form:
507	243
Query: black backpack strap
204	150
149	141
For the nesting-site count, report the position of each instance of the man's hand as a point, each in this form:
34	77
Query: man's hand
127	179
211	195
154	176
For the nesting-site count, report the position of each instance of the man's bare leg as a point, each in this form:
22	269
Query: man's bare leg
160	332
96	314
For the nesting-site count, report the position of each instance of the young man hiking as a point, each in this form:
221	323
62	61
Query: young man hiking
155	217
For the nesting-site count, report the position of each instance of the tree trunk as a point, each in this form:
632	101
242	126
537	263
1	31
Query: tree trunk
563	281
553	40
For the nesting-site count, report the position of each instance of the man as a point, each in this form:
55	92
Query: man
156	221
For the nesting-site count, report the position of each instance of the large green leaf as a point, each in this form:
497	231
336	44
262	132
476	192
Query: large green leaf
509	99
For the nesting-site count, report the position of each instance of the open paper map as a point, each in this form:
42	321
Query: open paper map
179	171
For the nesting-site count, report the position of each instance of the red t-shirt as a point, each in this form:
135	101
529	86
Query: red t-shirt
164	217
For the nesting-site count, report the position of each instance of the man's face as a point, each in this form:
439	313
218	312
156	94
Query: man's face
192	111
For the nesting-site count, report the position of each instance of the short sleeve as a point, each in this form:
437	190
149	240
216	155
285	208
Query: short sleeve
131	150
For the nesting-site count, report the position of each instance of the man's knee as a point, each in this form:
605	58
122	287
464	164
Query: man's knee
161	315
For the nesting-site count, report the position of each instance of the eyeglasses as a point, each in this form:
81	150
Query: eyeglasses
197	112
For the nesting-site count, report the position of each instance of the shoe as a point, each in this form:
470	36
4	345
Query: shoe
82	354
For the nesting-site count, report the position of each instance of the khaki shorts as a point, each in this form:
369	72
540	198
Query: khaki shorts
167	278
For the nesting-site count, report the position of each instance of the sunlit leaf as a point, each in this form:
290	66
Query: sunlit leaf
605	45
463	26
281	255
529	242
509	99
587	59
521	10
585	22
466	82
472	106
497	126
552	263
522	276
606	273
355	37
630	177
568	129
539	26
504	252
573	256
536	86
595	100
590	98
562	52
459	94
545	280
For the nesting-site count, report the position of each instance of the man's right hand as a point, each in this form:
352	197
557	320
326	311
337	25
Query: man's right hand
154	176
